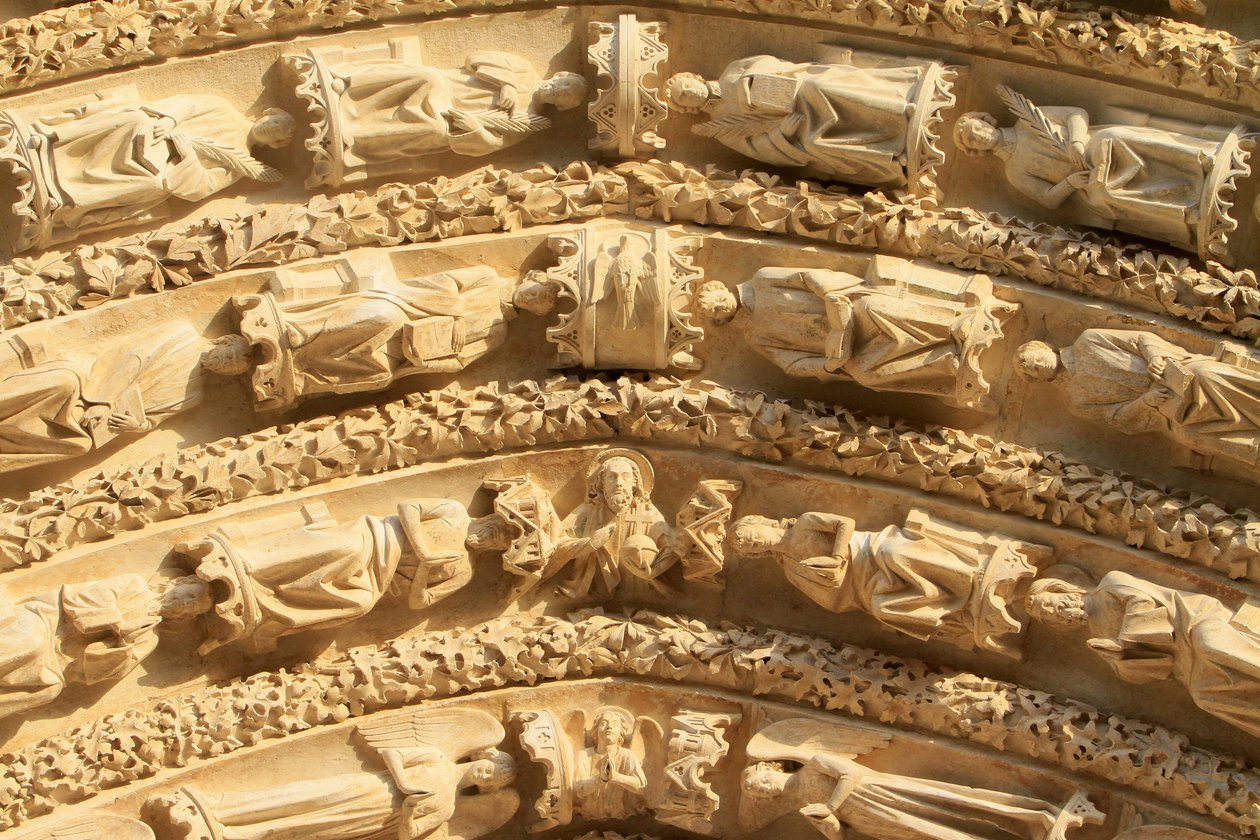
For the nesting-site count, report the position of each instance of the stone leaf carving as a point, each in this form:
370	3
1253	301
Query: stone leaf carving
432	426
632	295
443	775
1214	297
1151	176
852	116
58	409
529	649
120	160
1217	298
1148	634
697	743
802	766
595	771
903	327
347	327
304	571
930	579
627	107
1137	382
376	111
1156	51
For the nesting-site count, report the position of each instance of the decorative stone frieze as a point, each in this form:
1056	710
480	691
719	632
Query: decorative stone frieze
627	107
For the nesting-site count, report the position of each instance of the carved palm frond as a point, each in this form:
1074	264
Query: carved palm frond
231	159
737	126
1027	112
456	732
502	123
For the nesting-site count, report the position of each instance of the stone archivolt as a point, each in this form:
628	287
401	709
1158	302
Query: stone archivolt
848	682
394	632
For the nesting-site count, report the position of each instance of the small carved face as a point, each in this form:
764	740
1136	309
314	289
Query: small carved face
563	90
493	769
1037	360
755	535
687	92
975	133
609	729
1059	609
536	297
715	302
763	781
617	483
228	356
274	129
489	533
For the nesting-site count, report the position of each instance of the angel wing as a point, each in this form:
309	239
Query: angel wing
96	827
650	742
1026	111
233	160
800	739
456	732
503	124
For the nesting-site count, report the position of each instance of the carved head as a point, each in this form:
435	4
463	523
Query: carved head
715	302
490	533
1037	361
619	483
538	297
186	598
1057	598
613	726
765	779
754	535
230	355
976	133
563	90
274	128
492	769
690	93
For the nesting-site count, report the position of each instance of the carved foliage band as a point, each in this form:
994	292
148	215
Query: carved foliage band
426	427
138	743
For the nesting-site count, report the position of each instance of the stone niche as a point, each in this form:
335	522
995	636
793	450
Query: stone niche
464	420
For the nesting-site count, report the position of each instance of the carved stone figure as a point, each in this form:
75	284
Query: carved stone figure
1149	634
632	292
353	340
445	777
837	795
858	117
930	579
1151	176
297	573
610	784
119	160
1137	382
87	633
59	409
617	529
391	110
904	327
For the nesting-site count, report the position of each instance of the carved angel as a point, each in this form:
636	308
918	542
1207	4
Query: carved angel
804	766
600	772
94	827
444	779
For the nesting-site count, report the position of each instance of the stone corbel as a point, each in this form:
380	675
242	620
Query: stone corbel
627	108
632	291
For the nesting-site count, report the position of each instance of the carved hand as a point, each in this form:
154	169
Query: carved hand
507	98
463	120
1156	366
1079	180
125	421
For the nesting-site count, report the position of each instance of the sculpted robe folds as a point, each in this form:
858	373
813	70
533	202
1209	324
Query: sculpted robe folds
1148	634
904	328
843	121
85	633
325	574
1209	405
363	341
54	411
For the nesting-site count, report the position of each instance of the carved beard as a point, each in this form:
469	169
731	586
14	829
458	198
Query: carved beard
618	500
